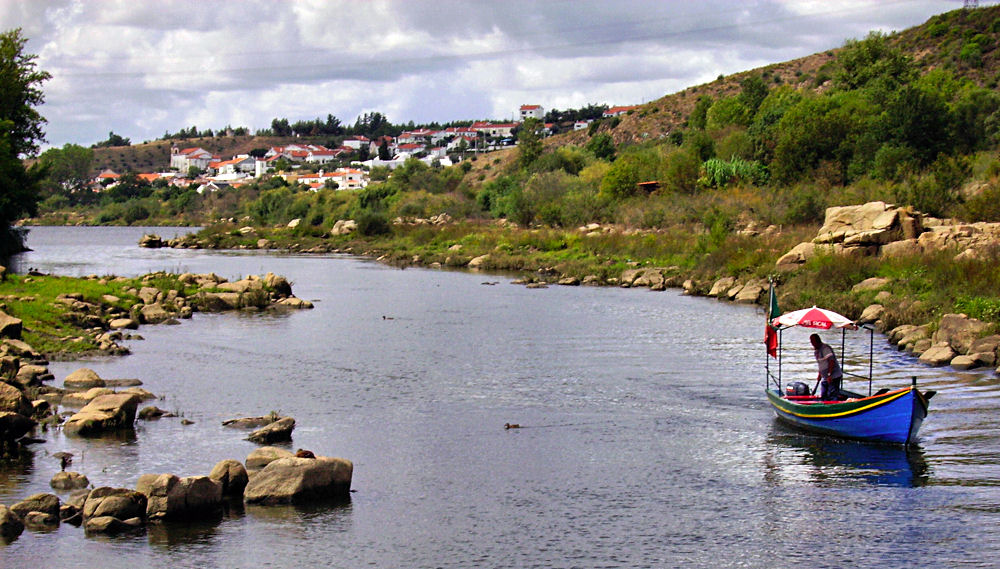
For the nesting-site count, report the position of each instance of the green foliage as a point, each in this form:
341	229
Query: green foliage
135	211
569	159
602	146
681	172
20	133
721	173
894	162
873	63
371	223
728	111
699	116
529	142
984	206
631	168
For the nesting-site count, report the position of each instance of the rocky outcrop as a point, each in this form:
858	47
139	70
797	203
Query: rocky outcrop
170	498
959	332
113	510
280	430
878	228
83	378
10	327
151	241
13	426
46	503
299	480
83	398
13	400
231	476
104	413
263	456
343	227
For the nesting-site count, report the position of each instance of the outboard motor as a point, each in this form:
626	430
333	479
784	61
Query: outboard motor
797	388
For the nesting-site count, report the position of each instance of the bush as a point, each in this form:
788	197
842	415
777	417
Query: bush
371	223
135	212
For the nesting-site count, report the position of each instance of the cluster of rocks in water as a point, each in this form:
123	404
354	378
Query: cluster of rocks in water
270	475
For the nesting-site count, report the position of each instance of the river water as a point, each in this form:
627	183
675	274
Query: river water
646	439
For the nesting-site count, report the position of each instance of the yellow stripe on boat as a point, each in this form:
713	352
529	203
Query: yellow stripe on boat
895	396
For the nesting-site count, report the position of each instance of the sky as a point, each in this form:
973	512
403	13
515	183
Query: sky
141	68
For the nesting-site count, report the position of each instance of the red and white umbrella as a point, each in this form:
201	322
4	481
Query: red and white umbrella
814	318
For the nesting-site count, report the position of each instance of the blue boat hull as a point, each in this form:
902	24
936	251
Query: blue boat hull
893	417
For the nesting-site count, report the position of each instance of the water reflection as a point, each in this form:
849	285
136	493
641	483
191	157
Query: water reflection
801	457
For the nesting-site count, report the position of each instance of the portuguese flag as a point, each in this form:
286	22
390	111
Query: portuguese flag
770	332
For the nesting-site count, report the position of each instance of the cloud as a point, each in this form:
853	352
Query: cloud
144	67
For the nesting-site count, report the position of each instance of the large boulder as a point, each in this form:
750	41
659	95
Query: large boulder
10	327
82	398
83	378
19	348
959	331
105	413
299	480
13	400
151	241
938	355
47	503
873	283
263	456
278	284
154	313
12	427
11	524
170	497
751	292
119	503
111	525
280	430
217	301
872	313
231	475
241	286
722	285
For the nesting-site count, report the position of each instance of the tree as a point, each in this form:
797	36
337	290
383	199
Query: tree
529	143
113	140
68	169
20	134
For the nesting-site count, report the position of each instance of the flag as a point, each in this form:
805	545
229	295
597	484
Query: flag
770	332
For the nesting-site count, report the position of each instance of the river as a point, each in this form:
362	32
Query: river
646	439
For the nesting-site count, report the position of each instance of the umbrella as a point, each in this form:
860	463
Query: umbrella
814	318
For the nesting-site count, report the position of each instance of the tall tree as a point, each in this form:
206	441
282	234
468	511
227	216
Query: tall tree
20	134
529	142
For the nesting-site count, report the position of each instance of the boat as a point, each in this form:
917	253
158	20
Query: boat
888	416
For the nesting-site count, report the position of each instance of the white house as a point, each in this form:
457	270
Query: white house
242	164
356	142
532	112
616	111
183	160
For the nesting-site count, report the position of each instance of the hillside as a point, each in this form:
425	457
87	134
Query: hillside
962	41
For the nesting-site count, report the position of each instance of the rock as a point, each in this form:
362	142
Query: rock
12	427
154	313
751	292
904	248
151	412
11	524
973	361
959	331
104	413
651	278
938	355
278	284
872	313
591	280
294	223
628	276
989	344
217	301
263	456
81	399
295	302
689	287
299	480
914	335
107	524
10	327
721	286
119	503
32	375
148	294
280	430
13	400
71	514
242	286
151	241
569	281
170	497
231	475
40	520
139	392
20	348
69	481
343	227
123	324
83	378
873	283
48	503
251	422
478	262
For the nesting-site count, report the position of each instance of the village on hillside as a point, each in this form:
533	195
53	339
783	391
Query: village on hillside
306	163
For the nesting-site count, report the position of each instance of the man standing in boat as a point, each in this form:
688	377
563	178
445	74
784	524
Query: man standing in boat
830	375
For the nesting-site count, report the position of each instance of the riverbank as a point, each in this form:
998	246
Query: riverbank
894	268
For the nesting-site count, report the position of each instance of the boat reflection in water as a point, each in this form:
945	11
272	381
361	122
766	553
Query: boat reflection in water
817	459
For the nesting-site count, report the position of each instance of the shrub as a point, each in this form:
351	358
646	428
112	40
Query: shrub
371	223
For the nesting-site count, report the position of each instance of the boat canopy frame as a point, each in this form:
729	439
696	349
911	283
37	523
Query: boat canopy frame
776	379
